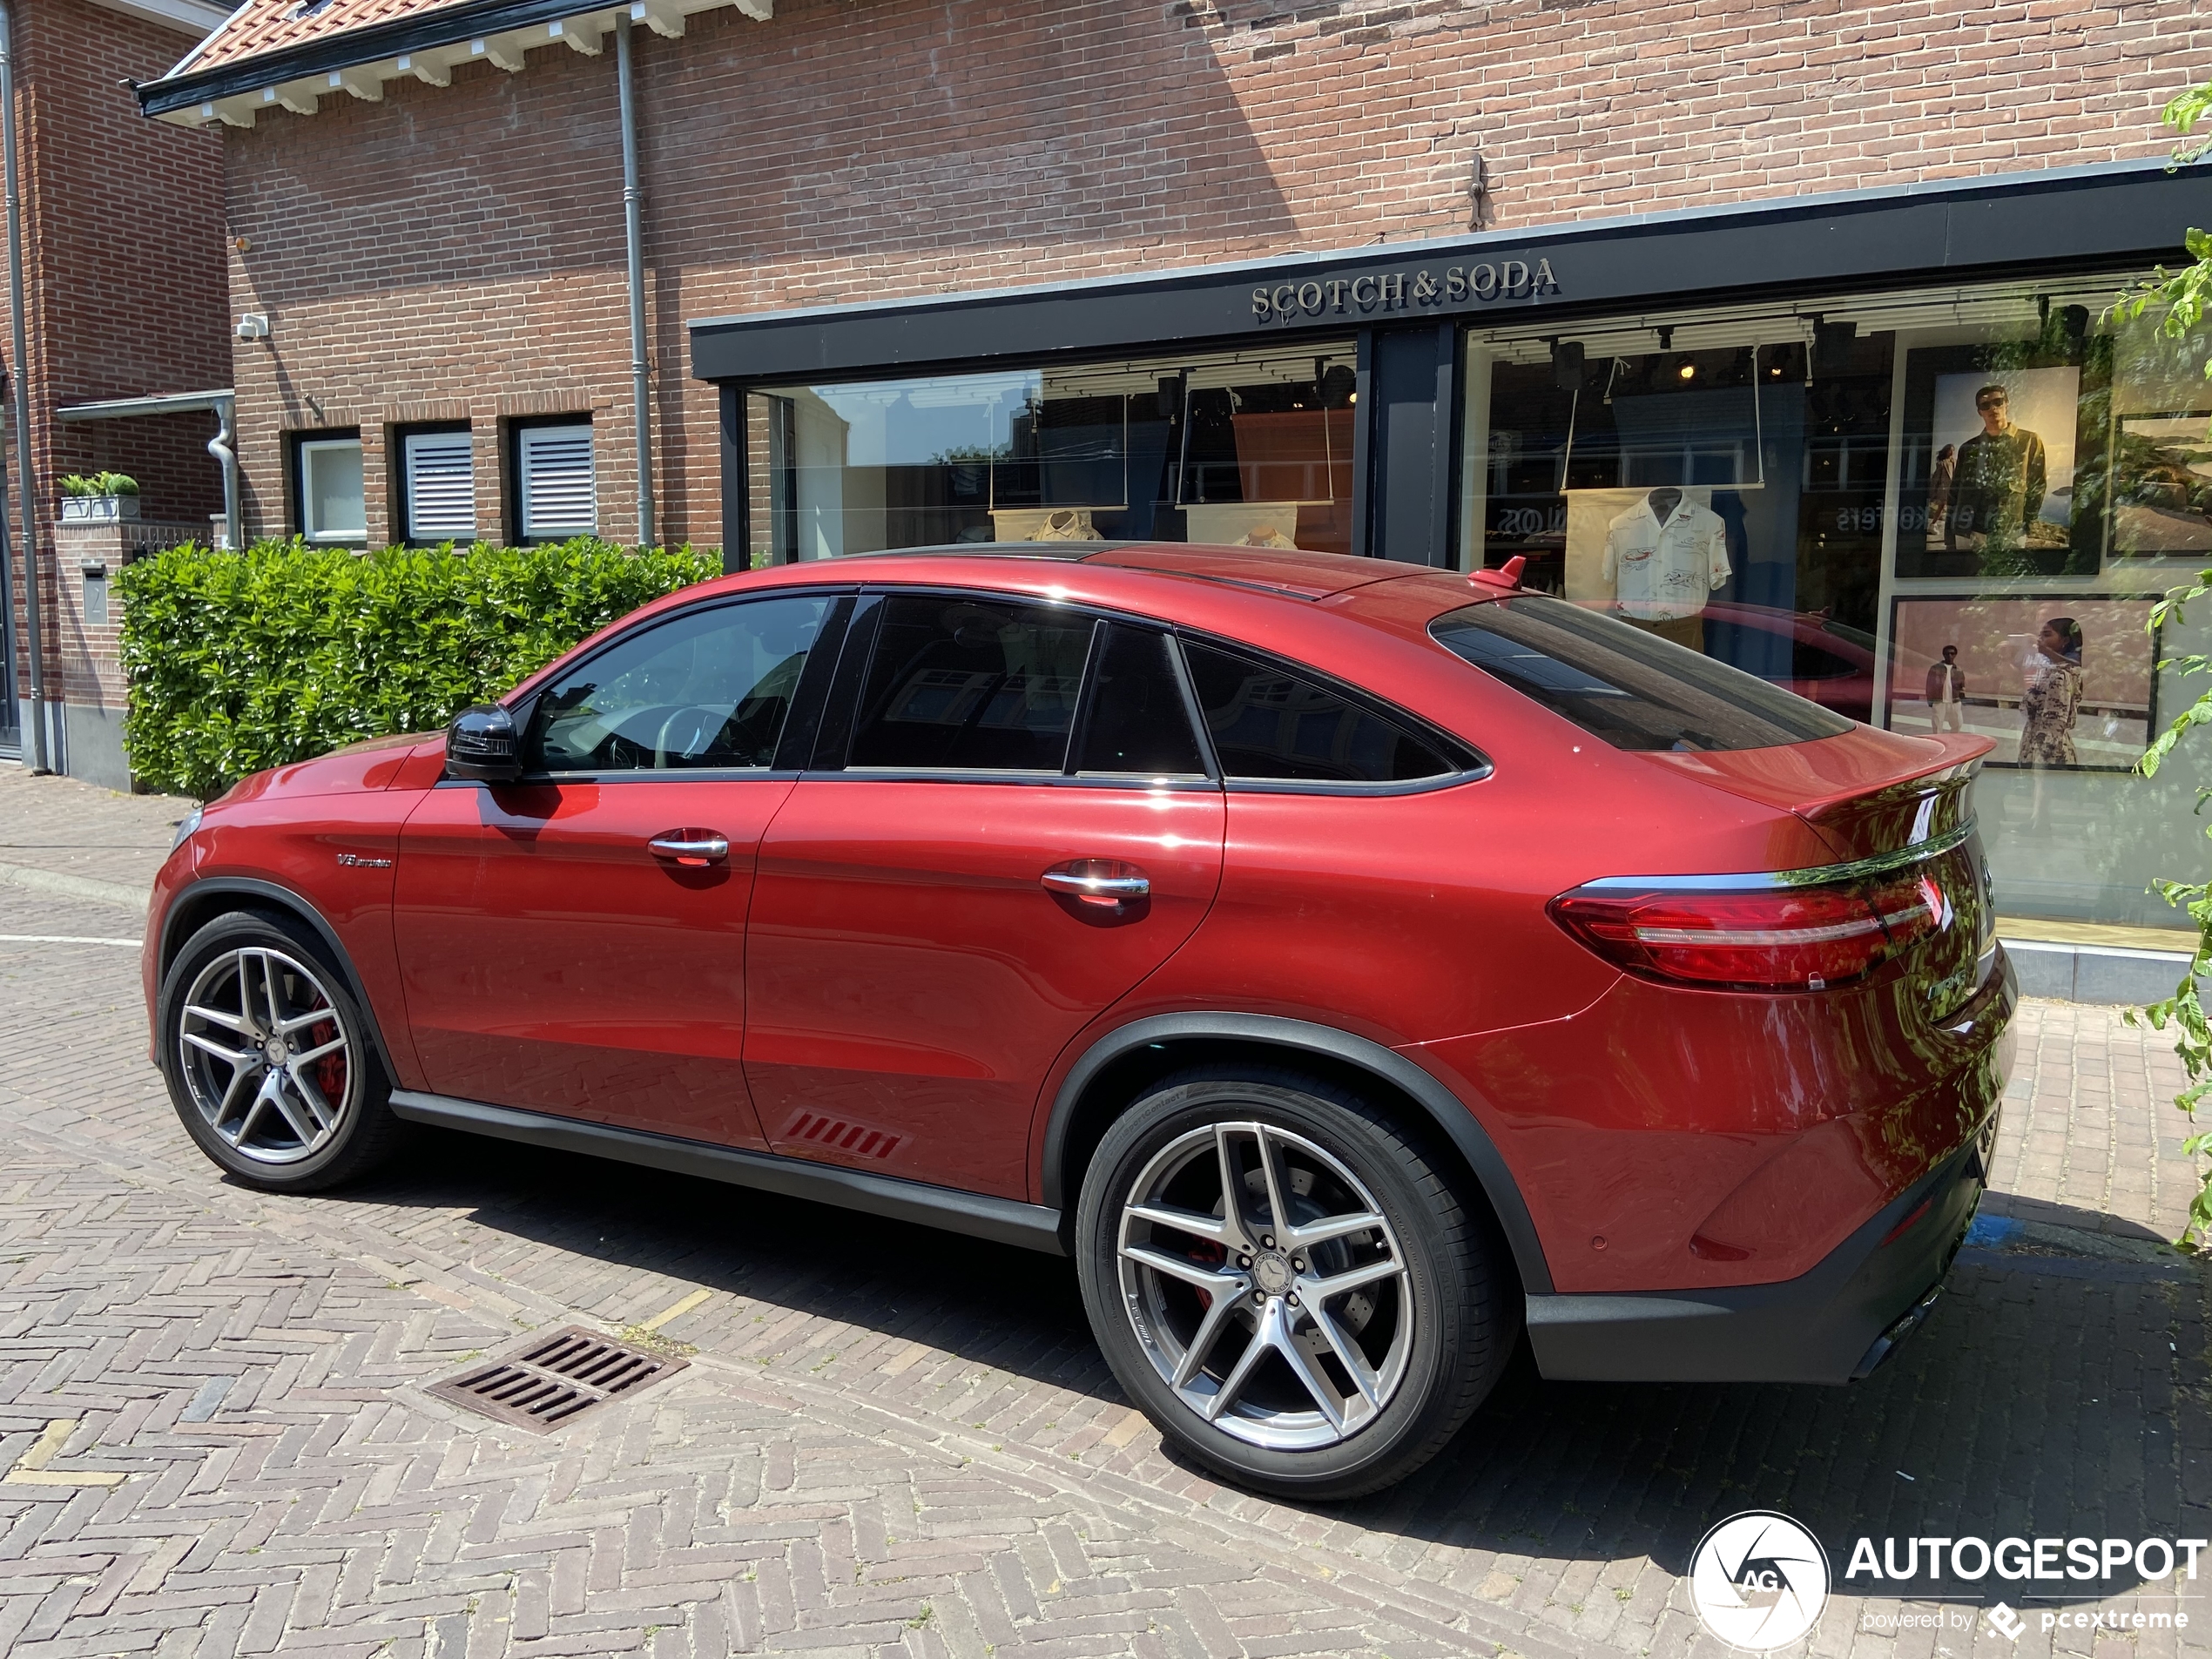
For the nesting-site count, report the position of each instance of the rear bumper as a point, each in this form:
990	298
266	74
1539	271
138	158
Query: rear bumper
1832	1324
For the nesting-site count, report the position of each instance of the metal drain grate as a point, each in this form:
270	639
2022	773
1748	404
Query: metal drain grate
551	1381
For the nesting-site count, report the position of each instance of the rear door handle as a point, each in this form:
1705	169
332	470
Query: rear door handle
1108	883
693	848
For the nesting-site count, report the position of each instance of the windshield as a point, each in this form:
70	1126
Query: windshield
1623	684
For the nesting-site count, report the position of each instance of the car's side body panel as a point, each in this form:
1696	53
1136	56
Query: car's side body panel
553	963
327	832
912	980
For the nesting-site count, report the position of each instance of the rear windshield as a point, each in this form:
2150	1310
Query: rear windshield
1631	688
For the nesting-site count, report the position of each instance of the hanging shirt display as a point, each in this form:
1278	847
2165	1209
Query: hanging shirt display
1663	570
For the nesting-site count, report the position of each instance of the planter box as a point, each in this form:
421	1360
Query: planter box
98	509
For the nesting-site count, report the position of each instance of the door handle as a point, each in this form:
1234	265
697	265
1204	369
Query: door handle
1107	883
692	848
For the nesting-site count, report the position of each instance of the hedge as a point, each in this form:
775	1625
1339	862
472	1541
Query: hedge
239	661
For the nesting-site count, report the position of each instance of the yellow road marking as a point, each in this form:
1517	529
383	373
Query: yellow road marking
31	1468
676	1312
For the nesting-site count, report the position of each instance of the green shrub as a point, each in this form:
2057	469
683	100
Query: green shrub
99	483
239	661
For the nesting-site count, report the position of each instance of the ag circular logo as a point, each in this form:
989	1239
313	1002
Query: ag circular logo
1758	1581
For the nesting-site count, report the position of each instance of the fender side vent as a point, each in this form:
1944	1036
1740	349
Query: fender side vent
843	1134
551	1379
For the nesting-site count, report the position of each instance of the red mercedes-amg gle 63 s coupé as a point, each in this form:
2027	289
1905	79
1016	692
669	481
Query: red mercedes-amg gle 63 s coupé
1352	965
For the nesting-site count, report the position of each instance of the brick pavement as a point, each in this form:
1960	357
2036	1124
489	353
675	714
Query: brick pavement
893	1441
99	844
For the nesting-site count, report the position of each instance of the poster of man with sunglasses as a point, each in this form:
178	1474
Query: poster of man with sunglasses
2007	493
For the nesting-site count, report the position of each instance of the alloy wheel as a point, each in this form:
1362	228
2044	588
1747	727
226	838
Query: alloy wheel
268	1062
1265	1286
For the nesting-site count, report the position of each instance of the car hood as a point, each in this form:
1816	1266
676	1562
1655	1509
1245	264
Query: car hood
358	768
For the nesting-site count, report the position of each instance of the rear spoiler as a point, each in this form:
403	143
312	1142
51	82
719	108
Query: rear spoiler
1928	806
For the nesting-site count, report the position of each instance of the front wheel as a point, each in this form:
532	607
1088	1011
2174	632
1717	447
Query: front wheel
1287	1285
268	1056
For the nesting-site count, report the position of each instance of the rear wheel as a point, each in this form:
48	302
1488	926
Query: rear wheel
267	1057
1287	1285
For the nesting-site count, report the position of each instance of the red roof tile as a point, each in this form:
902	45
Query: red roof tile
262	26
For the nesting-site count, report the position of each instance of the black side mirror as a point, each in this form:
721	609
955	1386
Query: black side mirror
481	746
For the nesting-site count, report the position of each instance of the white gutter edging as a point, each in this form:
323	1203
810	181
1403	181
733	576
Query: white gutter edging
582	31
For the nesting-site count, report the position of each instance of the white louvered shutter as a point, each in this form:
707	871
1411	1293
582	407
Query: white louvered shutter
441	487
560	496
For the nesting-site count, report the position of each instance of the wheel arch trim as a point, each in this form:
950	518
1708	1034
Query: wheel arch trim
269	893
1444	1109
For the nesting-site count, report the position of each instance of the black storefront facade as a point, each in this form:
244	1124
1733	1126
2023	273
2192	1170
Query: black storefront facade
1878	443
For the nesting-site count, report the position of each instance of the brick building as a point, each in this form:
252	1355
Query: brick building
1456	282
123	300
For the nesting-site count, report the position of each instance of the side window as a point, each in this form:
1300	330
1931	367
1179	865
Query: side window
1269	724
331	503
970	685
708	688
1137	721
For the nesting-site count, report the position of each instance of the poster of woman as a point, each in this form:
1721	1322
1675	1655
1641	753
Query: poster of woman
2061	683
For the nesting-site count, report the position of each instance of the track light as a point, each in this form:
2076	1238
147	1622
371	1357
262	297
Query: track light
1567	364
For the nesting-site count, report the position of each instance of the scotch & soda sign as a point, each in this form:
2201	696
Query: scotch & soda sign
1424	286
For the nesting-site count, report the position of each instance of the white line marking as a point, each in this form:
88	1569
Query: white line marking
66	939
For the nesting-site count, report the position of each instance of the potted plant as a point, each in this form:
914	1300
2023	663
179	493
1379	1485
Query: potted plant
99	498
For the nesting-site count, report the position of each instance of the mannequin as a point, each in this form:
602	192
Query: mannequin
1663	557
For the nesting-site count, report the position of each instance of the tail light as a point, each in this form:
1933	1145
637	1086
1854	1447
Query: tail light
1782	939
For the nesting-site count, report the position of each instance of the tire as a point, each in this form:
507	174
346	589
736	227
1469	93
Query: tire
307	1104
1426	1309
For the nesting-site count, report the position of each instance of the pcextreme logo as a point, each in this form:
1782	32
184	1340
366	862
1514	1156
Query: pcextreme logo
1758	1581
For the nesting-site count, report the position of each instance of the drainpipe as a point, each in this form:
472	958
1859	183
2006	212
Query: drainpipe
219	446
27	487
633	236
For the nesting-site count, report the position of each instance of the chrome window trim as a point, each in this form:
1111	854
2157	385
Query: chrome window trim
1186	784
631	775
1879	864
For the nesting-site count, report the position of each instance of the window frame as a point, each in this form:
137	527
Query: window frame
856	649
798	724
402	492
308	442
518	491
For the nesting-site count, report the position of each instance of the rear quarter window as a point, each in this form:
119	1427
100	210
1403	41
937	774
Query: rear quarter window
1630	688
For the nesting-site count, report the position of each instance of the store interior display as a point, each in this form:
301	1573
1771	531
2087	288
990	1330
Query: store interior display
1248	448
1779	450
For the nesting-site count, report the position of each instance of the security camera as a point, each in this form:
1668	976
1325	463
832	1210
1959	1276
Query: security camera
253	324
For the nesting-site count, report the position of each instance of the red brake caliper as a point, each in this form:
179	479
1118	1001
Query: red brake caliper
330	1071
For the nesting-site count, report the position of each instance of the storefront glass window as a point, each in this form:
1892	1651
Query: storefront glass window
1939	511
1245	448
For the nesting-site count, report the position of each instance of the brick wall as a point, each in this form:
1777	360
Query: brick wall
123	269
463	246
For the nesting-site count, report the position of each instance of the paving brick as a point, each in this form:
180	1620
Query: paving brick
758	1504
